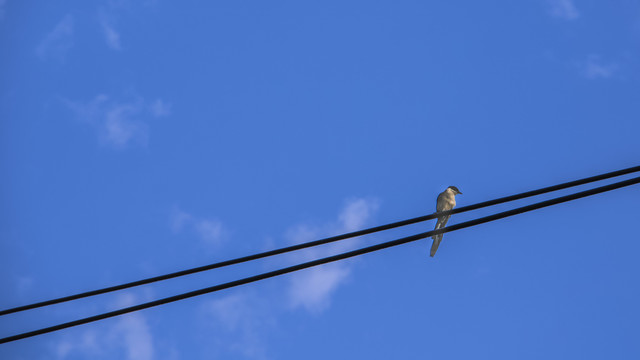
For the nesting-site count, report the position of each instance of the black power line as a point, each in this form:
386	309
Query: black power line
320	241
325	260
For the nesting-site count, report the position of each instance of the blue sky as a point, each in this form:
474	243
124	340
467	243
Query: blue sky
143	137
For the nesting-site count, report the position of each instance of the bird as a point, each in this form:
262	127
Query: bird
446	201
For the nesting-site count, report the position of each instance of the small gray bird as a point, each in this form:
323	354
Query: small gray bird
446	201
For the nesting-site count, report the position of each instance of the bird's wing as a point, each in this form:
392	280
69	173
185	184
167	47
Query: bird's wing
441	202
443	221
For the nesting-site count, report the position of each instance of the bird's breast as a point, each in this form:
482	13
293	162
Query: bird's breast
445	202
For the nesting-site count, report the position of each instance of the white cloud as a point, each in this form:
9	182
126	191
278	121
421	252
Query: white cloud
356	213
160	108
111	12
58	41
242	321
179	219
130	334
24	284
564	9
132	331
86	344
240	324
120	127
108	19
312	288
230	311
210	230
594	68
119	123
2	4
111	36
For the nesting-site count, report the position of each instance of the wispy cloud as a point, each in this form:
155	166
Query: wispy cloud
86	344
312	288
242	321
209	230
110	15
595	68
24	284
133	332
119	123
356	213
2	12
239	324
107	23
230	311
160	108
111	36
564	9
130	333
58	41
179	219
121	127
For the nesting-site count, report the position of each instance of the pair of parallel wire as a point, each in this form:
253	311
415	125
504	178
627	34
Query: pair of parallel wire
324	260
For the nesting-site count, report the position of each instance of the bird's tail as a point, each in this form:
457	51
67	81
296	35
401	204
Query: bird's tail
436	243
436	238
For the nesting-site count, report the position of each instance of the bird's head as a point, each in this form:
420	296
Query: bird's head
454	190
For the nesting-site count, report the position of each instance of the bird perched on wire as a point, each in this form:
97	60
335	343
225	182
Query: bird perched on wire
446	201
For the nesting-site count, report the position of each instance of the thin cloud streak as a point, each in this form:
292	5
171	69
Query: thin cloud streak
240	324
107	21
131	334
160	108
594	68
120	128
210	231
564	9
58	41
2	11
111	36
133	331
312	288
118	123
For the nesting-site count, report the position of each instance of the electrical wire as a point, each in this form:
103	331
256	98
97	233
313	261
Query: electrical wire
325	260
320	241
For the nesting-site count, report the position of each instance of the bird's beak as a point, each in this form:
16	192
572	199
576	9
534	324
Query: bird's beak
459	192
